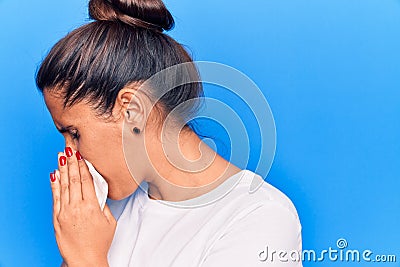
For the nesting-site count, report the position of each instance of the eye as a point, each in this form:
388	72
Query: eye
74	135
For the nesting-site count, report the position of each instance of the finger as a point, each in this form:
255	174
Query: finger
108	214
88	191
75	189
64	183
55	188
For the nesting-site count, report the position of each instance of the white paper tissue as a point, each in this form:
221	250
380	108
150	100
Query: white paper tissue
100	185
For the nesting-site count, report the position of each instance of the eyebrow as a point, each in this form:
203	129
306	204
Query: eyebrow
64	129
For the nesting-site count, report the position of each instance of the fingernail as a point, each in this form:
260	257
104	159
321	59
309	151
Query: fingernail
78	155
52	177
68	151
63	160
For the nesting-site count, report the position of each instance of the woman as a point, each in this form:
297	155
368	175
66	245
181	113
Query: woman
94	85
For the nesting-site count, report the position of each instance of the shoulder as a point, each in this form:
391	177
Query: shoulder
265	206
255	196
263	218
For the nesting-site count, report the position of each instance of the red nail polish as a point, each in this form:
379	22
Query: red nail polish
63	160
78	155
52	177
68	151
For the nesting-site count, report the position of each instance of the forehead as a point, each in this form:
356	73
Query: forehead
52	100
62	116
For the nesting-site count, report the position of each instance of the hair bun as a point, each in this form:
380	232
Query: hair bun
150	14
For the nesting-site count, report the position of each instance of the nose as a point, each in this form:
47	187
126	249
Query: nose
70	143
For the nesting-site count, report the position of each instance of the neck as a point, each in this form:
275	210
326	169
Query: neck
186	168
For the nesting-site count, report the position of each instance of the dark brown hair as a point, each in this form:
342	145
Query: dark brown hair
125	44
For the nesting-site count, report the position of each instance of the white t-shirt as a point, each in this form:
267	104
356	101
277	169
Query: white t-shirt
237	229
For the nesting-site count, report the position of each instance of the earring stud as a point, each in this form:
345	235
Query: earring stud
136	130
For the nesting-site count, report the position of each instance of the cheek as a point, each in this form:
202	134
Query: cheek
103	151
90	147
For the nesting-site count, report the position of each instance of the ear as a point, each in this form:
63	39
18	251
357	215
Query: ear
132	106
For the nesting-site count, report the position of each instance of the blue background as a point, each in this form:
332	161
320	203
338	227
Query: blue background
329	70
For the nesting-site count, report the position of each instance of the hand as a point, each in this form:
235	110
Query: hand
83	231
